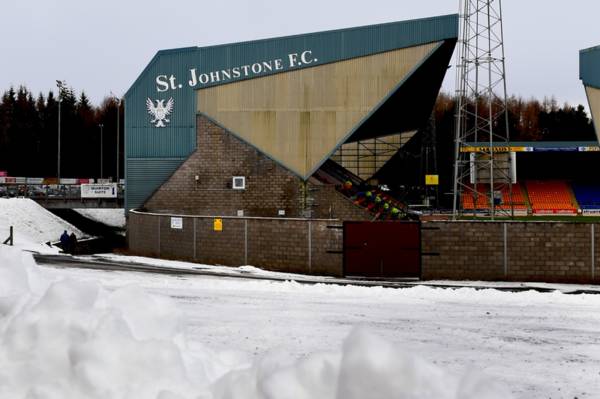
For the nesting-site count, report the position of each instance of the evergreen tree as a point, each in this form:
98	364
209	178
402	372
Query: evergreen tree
7	108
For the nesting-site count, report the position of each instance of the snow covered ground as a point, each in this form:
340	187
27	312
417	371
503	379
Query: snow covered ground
110	217
81	333
251	271
536	345
33	225
73	333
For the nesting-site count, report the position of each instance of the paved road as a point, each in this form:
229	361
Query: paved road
99	263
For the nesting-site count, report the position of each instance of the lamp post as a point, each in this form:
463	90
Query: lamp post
61	86
101	126
118	130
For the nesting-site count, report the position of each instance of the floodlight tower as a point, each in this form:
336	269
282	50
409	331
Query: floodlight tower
482	173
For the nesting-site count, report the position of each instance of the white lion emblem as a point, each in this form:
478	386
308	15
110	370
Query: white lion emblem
160	111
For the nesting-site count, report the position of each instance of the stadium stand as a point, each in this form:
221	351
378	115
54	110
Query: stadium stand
519	201
380	204
551	197
588	197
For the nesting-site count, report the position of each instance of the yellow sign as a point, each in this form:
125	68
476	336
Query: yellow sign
432	180
218	225
496	149
588	149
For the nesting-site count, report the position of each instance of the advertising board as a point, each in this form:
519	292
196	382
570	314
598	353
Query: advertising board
99	190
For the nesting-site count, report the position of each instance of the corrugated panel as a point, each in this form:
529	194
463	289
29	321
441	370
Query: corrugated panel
178	138
144	176
589	66
299	117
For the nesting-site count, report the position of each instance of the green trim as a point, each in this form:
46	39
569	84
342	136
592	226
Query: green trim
589	66
153	60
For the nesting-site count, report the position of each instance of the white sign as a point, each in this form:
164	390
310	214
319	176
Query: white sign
177	223
99	190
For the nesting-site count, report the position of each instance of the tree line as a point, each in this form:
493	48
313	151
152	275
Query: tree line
528	119
29	134
29	130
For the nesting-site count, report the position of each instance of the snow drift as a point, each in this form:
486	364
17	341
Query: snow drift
33	225
74	339
109	217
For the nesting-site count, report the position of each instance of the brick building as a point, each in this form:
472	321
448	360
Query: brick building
271	129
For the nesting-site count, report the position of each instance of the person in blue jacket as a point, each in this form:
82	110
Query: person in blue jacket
64	241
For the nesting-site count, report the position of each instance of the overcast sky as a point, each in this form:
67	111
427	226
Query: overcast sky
101	46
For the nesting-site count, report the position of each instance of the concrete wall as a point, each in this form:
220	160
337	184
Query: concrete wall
286	245
513	251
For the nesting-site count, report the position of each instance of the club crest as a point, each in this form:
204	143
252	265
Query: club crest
160	111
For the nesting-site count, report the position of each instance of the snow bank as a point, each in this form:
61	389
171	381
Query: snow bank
366	367
33	225
73	339
110	217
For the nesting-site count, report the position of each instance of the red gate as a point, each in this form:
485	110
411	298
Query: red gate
382	249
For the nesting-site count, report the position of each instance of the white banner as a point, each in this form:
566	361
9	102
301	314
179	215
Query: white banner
99	190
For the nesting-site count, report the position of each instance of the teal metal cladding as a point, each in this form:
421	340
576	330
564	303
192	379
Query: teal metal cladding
144	175
589	66
165	148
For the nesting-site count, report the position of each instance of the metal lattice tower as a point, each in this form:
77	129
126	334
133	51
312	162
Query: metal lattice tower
484	176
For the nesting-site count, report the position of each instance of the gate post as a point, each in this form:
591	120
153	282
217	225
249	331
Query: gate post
309	248
158	236
245	241
505	255
194	243
593	234
9	240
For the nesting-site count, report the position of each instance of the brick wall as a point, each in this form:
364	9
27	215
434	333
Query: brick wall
269	186
496	251
307	246
466	251
513	251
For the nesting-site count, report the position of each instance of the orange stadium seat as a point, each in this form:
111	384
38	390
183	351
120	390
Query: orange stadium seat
483	200
551	197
